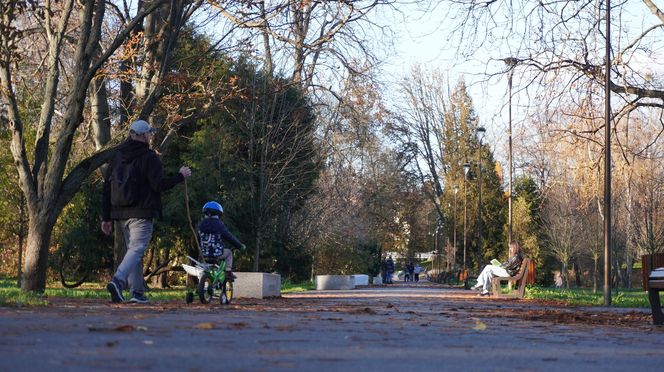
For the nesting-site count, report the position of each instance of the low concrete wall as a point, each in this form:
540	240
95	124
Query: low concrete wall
256	285
361	279
331	282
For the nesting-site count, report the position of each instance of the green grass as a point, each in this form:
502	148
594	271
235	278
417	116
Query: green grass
12	296
585	297
288	287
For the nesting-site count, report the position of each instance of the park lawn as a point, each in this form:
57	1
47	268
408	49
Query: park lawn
635	297
11	295
288	287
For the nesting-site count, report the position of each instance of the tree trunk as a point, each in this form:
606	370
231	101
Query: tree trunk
577	273
595	273
20	258
99	109
21	237
618	275
269	69
160	280
257	251
36	255
628	272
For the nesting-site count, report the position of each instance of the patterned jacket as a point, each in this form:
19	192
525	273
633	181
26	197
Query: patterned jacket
211	233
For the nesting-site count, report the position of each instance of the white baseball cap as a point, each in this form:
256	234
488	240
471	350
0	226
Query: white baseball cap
141	127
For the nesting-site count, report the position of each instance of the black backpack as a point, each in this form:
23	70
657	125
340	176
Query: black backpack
125	191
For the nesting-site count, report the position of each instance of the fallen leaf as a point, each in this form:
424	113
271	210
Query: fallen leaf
238	325
479	326
365	310
125	328
206	325
120	328
285	328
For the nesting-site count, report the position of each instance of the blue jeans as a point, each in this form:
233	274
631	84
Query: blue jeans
137	233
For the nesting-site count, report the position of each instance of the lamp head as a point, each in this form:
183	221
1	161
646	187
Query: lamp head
466	168
480	133
456	189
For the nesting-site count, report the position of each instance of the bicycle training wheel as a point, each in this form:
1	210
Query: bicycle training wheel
226	293
205	289
189	298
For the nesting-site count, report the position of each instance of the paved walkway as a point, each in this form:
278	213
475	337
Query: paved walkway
395	328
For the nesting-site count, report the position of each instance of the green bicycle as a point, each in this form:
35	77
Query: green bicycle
211	282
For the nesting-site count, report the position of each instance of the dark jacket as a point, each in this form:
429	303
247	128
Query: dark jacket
211	231
390	265
513	265
151	183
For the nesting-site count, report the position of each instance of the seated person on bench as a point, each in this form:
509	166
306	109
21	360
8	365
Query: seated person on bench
211	231
506	269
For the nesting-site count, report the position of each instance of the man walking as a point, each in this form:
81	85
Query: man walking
132	190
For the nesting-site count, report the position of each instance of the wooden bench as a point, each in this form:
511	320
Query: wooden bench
655	285
519	278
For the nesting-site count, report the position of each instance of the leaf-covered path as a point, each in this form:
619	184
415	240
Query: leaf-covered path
397	328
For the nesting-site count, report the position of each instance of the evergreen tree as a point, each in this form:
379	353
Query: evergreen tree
462	146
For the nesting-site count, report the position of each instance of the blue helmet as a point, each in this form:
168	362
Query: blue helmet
213	208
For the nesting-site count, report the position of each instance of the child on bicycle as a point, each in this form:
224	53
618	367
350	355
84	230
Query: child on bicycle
211	231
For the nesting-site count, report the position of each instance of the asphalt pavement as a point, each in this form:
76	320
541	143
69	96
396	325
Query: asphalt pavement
403	327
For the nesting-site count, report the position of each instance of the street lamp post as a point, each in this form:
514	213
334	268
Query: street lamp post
511	63
456	190
480	136
466	168
439	256
607	160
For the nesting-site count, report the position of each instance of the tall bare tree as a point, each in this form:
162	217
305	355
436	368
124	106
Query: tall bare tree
73	45
309	39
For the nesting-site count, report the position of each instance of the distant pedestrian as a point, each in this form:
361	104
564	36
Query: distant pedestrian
416	271
133	184
389	269
559	280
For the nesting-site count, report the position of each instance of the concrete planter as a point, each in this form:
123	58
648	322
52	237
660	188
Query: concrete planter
256	285
361	279
334	282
